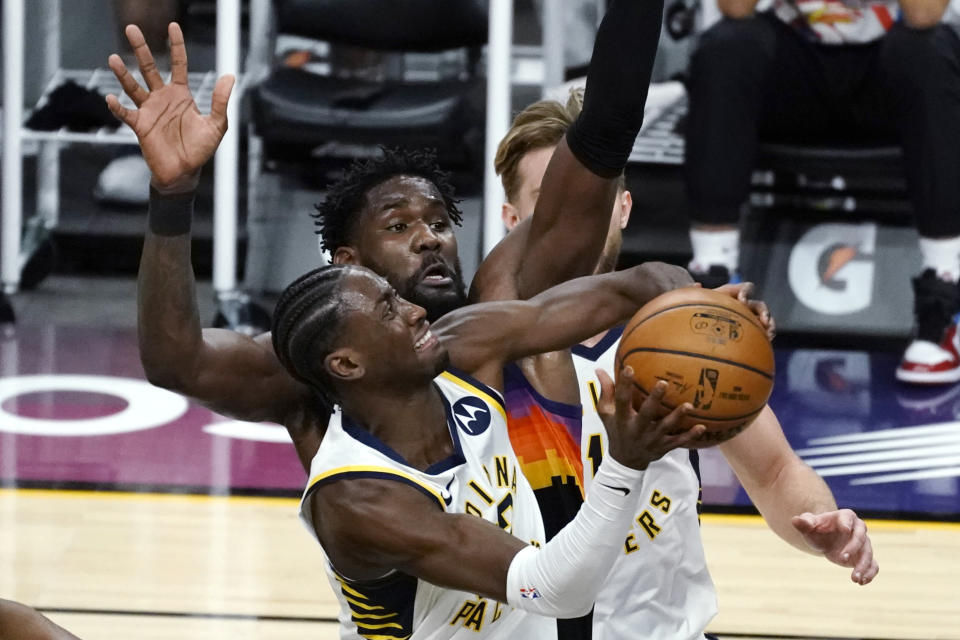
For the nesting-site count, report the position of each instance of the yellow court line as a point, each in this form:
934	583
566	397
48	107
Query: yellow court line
286	503
757	521
87	494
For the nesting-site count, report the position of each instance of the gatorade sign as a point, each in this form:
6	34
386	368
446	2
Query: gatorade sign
832	277
831	268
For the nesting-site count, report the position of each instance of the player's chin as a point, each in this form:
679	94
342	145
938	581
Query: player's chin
436	360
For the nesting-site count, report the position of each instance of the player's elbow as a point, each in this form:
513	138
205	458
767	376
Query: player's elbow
572	605
160	374
579	609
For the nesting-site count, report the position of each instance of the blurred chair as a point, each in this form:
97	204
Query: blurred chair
311	119
862	177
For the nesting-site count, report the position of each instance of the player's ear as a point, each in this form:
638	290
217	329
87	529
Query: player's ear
509	215
345	255
344	364
626	205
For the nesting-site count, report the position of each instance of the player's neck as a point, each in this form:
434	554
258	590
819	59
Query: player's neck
412	423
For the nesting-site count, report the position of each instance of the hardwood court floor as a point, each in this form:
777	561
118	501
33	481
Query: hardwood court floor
123	565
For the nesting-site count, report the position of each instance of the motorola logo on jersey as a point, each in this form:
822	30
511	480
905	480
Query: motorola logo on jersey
472	415
831	268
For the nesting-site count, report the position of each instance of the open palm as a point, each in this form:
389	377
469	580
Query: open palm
175	138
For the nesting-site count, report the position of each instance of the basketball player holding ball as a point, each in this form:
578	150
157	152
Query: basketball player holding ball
660	583
710	350
415	495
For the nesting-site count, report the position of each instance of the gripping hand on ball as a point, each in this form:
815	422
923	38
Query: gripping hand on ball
742	292
637	436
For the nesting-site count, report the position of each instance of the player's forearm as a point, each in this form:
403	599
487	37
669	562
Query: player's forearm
610	299
923	14
796	489
168	320
562	578
617	83
573	211
571	219
576	310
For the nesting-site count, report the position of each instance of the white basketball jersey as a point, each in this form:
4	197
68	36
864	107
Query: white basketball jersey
660	587
482	478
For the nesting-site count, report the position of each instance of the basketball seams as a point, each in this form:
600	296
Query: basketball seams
698	356
748	362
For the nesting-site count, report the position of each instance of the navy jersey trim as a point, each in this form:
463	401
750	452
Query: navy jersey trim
514	374
365	437
597	350
695	463
466	377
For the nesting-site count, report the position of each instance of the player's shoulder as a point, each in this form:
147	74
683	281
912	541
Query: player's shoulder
455	384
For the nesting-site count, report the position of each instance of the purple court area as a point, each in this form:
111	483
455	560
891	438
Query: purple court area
75	411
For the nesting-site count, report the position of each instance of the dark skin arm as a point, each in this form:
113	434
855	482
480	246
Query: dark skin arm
20	622
565	236
572	213
232	374
570	219
481	338
369	527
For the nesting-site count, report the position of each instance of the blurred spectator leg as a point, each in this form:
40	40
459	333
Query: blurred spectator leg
749	78
920	70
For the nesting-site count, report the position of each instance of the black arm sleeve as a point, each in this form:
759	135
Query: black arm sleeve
617	83
170	215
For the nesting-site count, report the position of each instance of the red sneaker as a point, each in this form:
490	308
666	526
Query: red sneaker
934	356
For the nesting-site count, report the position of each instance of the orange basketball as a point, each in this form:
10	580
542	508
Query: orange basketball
710	349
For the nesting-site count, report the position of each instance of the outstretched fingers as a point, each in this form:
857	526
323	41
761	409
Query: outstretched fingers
128	83
127	116
148	68
178	55
220	98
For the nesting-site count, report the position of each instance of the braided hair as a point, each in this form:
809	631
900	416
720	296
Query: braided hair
306	324
337	215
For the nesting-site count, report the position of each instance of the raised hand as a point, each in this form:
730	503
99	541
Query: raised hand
742	292
175	138
636	436
841	536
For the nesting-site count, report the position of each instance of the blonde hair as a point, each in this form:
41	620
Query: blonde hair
542	124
